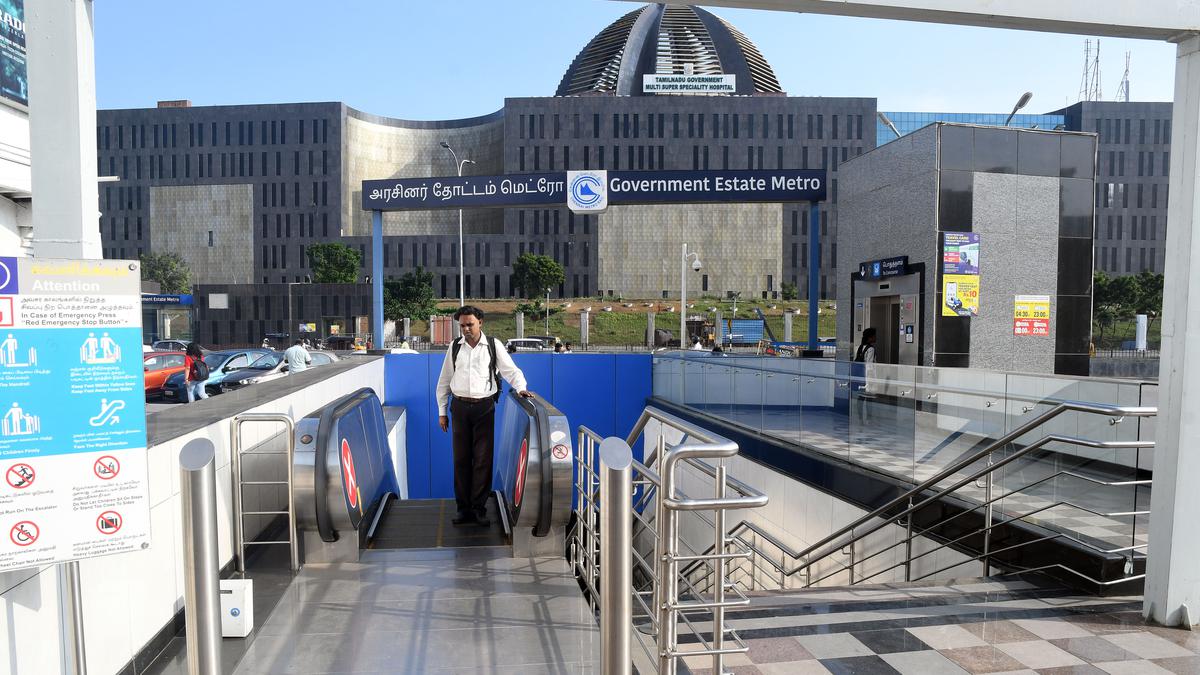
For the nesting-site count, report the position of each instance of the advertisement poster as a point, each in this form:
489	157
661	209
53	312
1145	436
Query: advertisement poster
960	253
14	81
72	411
960	295
1031	315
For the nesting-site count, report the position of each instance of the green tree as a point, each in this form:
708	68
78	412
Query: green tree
1149	295
533	274
788	291
169	270
334	263
411	296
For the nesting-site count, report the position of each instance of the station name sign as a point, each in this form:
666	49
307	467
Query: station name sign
689	84
887	267
622	188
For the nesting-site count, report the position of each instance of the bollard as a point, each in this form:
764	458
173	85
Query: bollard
787	325
650	330
584	326
202	599
616	556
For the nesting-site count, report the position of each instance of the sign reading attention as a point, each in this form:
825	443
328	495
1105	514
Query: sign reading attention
72	412
622	187
689	84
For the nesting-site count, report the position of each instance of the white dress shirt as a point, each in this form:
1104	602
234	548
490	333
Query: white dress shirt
472	377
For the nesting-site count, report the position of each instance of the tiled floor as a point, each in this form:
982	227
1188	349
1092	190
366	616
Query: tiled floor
466	610
976	627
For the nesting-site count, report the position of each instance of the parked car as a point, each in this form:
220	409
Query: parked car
525	344
269	367
220	365
548	341
159	366
170	345
339	342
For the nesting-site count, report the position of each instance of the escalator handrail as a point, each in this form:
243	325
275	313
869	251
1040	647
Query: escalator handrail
320	467
537	408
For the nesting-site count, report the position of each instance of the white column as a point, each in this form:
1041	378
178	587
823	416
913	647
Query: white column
62	126
1172	594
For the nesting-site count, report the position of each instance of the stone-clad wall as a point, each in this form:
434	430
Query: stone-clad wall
738	246
379	147
210	226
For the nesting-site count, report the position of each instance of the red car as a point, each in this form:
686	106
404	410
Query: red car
158	366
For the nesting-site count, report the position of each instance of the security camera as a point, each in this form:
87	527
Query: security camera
695	265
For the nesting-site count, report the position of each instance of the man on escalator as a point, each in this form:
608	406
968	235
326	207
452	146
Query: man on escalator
471	373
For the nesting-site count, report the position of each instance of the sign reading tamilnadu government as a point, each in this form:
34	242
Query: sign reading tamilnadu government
72	412
689	84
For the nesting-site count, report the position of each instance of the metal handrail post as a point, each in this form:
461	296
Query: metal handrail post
74	650
616	556
987	519
202	590
718	632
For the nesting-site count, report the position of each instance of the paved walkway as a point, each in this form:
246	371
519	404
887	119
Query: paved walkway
970	627
469	610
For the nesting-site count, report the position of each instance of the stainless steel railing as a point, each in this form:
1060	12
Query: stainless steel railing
662	597
844	541
235	451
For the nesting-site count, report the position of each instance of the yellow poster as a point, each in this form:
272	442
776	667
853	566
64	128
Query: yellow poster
960	295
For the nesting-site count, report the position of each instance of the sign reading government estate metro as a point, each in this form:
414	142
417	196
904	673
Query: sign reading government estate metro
622	187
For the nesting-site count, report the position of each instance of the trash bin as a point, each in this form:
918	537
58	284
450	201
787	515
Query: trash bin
237	607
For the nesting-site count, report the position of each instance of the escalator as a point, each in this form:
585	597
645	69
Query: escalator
346	488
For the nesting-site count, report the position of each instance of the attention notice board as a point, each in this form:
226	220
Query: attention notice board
72	411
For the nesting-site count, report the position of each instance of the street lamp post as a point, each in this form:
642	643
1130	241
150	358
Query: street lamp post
888	123
1024	101
683	264
547	311
462	281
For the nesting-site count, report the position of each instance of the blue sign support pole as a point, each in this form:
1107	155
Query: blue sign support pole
377	278
814	266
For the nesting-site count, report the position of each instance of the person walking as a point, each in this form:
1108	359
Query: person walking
196	373
471	374
297	357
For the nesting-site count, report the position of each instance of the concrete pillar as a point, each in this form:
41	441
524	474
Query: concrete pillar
787	326
1172	594
650	329
719	333
520	324
432	331
584	328
407	327
62	129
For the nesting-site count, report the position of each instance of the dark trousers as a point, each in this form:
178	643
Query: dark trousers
472	426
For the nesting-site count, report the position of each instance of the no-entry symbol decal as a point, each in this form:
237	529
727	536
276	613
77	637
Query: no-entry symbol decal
109	522
20	476
349	481
24	533
107	467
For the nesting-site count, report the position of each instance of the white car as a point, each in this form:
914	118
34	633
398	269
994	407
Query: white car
525	344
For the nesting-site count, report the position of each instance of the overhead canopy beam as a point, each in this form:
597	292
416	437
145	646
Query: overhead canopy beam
1147	19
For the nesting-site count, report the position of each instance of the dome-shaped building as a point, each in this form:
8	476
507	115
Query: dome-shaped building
661	39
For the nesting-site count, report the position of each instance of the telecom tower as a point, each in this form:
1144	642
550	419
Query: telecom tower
1089	88
1123	90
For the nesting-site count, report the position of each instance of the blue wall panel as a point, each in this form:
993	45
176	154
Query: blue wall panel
605	392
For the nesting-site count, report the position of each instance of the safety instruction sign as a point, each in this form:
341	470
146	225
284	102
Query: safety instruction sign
72	411
960	295
1031	315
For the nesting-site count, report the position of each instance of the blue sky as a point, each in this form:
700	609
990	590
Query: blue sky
461	58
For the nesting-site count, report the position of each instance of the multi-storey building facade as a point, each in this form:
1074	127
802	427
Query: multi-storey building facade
242	191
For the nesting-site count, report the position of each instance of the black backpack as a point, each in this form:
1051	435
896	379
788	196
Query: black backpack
491	345
200	371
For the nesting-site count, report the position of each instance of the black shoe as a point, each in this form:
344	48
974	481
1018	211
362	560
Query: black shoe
463	517
481	518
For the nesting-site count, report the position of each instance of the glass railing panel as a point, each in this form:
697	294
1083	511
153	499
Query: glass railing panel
825	406
880	421
695	383
718	387
781	414
748	380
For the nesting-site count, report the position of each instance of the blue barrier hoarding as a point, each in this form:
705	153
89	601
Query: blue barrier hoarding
620	188
72	412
